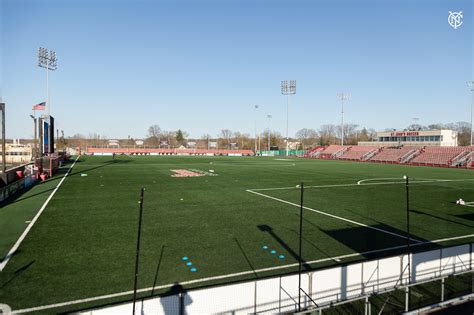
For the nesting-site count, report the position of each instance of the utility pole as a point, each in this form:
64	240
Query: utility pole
256	111
269	132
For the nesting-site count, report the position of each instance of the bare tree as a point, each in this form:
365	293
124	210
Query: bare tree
307	136
154	135
226	137
327	134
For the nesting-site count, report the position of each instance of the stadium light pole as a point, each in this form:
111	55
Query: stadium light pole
34	139
48	61
288	89
256	112
269	133
343	97
471	86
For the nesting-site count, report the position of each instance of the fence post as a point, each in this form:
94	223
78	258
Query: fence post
442	289
366	305
407	298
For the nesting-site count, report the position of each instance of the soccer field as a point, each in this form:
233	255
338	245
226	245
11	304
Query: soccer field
239	220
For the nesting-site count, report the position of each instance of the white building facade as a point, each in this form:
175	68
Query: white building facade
442	138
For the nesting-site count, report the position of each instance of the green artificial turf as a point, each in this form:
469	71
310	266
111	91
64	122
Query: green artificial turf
84	243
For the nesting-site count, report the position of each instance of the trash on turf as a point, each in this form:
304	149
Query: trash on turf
83	174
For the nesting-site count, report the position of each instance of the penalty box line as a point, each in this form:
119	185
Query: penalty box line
231	275
36	217
332	216
362	183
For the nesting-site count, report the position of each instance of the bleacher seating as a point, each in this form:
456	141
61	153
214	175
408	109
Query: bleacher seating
314	151
442	156
331	150
416	155
392	155
357	152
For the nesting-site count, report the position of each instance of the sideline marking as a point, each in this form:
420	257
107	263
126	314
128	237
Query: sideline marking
369	184
231	275
28	228
333	216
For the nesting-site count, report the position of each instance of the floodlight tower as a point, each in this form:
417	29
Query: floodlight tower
269	133
48	61
256	113
471	86
343	97
288	88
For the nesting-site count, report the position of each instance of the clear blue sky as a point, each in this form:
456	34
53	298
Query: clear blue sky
202	65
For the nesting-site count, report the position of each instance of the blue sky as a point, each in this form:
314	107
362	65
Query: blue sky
202	65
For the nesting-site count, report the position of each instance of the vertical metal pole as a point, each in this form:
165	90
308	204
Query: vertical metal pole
407	297
342	120
442	289
472	110
256	108
408	226
142	192
287	113
47	86
4	165
300	248
34	141
269	132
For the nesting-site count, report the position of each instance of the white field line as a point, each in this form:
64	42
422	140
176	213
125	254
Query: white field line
369	184
231	275
28	228
333	216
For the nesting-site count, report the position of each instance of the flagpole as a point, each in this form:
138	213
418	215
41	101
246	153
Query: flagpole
47	87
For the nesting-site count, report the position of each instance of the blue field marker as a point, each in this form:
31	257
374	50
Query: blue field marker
273	251
193	269
264	247
184	258
281	256
189	263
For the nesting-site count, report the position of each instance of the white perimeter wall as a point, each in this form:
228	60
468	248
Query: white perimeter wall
329	285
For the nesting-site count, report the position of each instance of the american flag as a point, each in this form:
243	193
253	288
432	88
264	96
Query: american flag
40	106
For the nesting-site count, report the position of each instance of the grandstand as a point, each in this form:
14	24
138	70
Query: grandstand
359	153
412	155
393	155
441	156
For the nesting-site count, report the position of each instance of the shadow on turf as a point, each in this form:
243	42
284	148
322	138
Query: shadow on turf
158	269
17	273
246	258
268	229
467	216
445	219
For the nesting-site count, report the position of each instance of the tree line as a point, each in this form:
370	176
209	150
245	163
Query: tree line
227	139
